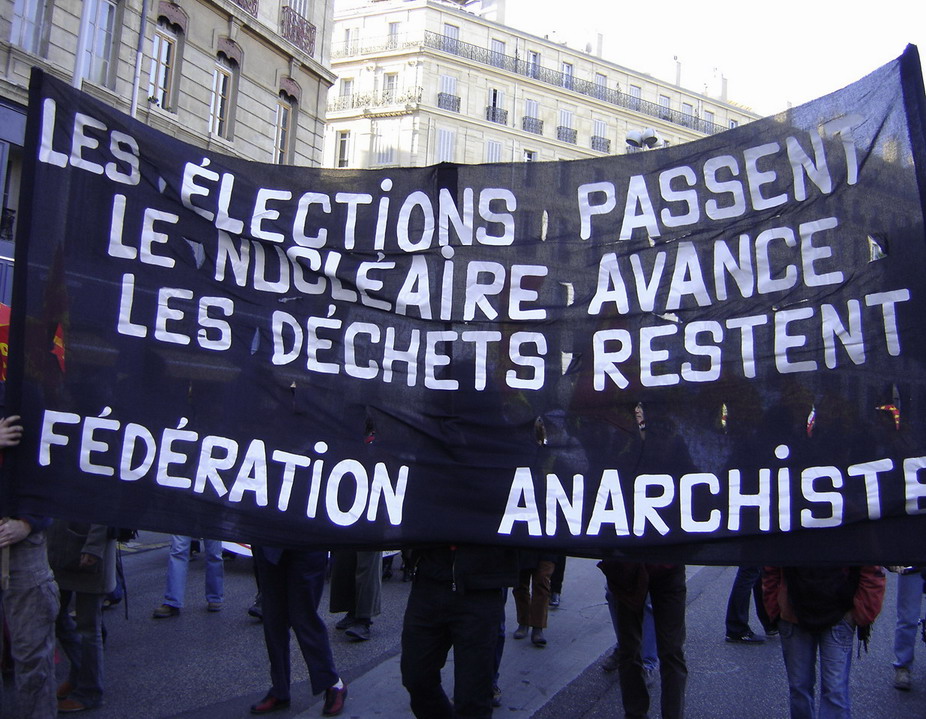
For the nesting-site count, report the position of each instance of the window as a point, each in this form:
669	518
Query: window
163	62
493	151
601	85
392	39
709	116
451	38
385	150
565	118
496	112
734	124
530	156
343	148
531	121
664	107
497	56
97	45
350	40
533	63
601	128
565	131
300	7
600	141
445	145
223	87
28	24
390	86
447	98
283	140
347	87
568	75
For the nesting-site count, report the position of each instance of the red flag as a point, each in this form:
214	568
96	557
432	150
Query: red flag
58	349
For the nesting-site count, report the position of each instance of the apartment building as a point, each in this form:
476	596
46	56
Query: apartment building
427	81
243	77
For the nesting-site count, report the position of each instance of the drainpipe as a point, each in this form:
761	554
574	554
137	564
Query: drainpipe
139	54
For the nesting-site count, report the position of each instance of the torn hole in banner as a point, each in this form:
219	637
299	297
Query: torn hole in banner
877	248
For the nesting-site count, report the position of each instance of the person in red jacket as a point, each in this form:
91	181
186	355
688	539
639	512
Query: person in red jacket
818	611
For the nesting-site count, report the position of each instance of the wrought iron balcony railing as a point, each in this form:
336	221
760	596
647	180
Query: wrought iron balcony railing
496	114
299	31
446	101
374	100
532	124
601	144
249	5
567	134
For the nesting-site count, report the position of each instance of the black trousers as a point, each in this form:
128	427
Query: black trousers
436	619
667	590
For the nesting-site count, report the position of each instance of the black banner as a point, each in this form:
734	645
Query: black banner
709	352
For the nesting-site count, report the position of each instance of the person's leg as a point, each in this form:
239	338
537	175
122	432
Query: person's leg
215	571
634	694
668	593
306	583
649	649
68	636
368	581
177	565
89	685
275	622
737	621
909	599
767	626
799	649
540	594
30	605
475	618
425	644
522	602
835	661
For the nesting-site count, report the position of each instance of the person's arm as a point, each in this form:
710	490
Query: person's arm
869	595
771	586
13	531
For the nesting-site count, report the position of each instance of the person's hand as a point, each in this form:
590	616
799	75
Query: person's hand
10	431
87	560
13	531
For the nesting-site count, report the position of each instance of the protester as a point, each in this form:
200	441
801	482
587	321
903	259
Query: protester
630	584
648	645
819	610
178	564
291	585
909	602
457	600
556	581
29	598
83	558
356	586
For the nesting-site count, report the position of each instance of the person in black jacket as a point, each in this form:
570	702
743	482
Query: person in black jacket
457	600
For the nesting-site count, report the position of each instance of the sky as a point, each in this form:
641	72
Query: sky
775	54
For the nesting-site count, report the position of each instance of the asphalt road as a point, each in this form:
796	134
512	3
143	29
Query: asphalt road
214	666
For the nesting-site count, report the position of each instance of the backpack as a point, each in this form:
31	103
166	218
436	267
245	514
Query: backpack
821	596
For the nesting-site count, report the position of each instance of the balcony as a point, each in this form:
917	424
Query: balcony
446	101
569	83
601	144
567	134
496	114
250	6
532	124
299	31
375	100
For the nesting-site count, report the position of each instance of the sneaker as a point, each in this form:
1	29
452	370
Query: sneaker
359	631
610	662
554	600
345	622
334	701
746	637
537	638
902	678
165	610
214	606
496	696
520	632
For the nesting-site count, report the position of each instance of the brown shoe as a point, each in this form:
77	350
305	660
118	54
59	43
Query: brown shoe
334	701
64	689
269	704
165	610
69	706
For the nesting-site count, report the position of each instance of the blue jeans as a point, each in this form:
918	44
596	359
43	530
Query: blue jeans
909	599
179	562
800	649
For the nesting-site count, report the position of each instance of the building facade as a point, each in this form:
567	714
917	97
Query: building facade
426	81
243	77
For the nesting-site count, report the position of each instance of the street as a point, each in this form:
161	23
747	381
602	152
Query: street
214	665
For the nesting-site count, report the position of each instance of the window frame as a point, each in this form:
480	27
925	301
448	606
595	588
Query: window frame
221	120
98	45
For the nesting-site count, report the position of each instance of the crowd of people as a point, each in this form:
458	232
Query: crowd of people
57	575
